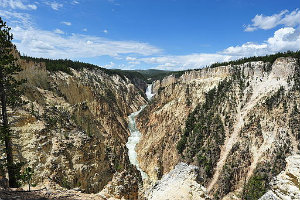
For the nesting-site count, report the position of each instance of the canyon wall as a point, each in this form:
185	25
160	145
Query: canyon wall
237	123
73	128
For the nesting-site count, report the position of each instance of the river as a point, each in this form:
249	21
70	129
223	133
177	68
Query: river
135	135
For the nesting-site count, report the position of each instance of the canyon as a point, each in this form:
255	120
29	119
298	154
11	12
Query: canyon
228	132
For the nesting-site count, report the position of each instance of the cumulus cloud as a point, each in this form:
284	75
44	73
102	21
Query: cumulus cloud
284	39
285	18
246	49
17	4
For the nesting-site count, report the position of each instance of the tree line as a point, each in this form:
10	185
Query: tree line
267	58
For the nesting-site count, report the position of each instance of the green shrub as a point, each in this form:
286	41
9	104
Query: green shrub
65	184
26	176
255	187
181	144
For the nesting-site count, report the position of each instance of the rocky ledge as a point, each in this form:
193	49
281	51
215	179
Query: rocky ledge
180	183
287	184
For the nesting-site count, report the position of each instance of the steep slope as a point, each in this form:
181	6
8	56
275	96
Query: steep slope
74	127
238	123
164	119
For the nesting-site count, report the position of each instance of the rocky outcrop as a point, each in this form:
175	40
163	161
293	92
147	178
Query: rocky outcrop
124	185
74	127
236	123
287	184
180	183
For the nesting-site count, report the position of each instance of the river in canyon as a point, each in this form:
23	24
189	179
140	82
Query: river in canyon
135	134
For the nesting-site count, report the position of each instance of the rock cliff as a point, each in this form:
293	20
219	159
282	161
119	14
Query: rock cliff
74	127
237	123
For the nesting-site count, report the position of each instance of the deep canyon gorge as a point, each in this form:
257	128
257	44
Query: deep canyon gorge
228	132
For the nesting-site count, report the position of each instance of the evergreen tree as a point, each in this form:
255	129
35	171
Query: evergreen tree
9	95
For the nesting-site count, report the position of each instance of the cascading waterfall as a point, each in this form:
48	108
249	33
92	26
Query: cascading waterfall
149	93
135	135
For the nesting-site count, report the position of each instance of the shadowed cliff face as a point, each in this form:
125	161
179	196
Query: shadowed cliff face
74	128
236	123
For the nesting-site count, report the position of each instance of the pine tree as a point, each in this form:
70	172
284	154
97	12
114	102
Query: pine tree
9	95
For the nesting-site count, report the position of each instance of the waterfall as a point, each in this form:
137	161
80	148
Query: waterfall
149	93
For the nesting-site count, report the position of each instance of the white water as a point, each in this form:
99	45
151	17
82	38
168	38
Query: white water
135	136
149	92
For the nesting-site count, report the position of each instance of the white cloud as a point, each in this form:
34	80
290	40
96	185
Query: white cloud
109	66
292	19
75	2
17	4
54	5
129	58
54	44
40	43
132	60
285	18
283	39
247	49
105	31
58	31
186	61
67	23
16	18
89	42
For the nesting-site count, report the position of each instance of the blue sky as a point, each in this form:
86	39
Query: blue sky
161	34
